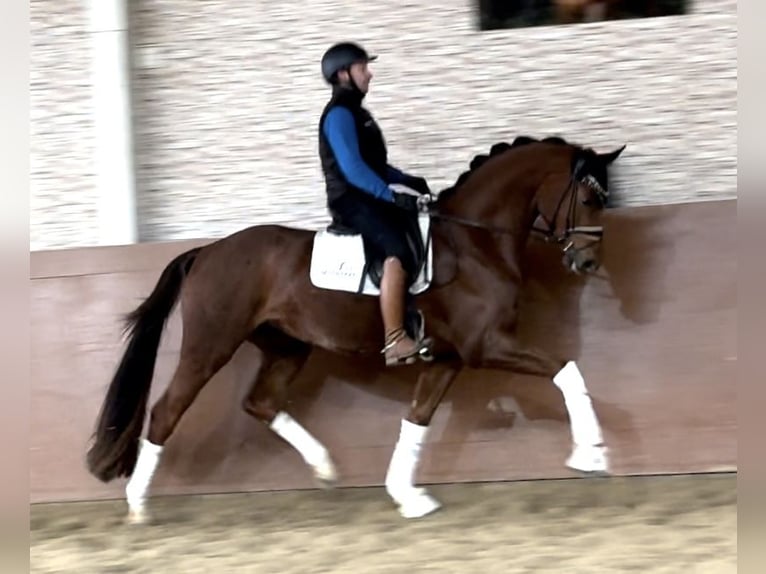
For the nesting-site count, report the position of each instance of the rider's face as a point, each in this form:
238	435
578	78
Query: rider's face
361	74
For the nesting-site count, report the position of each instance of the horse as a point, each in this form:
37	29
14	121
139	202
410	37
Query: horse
255	286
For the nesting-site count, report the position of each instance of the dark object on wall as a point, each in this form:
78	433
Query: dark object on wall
500	14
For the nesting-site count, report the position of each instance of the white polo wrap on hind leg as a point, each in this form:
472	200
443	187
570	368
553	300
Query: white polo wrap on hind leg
146	465
312	451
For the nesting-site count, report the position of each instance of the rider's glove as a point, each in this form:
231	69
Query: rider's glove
418	184
406	201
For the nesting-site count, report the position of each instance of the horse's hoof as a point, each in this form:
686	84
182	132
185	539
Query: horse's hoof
418	504
590	460
324	484
137	516
325	475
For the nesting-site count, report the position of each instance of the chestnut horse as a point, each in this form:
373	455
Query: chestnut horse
254	286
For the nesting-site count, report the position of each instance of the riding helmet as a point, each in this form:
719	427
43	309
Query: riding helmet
341	56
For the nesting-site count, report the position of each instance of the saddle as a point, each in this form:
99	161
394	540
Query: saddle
341	261
374	265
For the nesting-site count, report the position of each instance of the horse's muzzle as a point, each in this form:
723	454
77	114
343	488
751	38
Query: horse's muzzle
581	261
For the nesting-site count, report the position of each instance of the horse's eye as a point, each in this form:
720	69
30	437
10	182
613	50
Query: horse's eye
586	201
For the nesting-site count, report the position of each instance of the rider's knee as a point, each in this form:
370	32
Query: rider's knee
392	261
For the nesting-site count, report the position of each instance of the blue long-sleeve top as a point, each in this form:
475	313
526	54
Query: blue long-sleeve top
340	131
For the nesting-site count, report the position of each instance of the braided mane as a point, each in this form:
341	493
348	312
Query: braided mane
496	149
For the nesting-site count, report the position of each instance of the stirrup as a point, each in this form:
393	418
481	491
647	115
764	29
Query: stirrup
421	349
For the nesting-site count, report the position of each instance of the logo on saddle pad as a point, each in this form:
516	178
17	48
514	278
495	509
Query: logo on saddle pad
338	262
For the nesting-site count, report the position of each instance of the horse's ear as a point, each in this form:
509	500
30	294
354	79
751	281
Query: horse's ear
608	158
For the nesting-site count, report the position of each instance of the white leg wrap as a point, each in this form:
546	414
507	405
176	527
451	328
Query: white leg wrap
138	485
312	451
587	455
413	502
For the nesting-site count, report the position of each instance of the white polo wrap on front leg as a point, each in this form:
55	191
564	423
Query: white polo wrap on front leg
589	454
400	478
404	461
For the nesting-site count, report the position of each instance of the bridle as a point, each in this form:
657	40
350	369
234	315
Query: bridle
570	229
549	233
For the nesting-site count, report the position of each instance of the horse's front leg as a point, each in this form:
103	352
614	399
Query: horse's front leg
589	454
432	385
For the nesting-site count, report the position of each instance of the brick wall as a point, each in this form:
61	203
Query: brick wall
63	197
228	95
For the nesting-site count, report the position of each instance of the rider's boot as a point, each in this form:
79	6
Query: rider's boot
399	347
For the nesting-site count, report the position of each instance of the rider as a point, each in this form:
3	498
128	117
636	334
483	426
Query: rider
357	176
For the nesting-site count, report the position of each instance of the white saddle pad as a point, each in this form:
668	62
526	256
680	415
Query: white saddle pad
337	262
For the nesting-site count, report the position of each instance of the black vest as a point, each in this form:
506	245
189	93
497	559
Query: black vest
372	146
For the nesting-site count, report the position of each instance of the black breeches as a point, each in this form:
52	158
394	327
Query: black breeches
381	225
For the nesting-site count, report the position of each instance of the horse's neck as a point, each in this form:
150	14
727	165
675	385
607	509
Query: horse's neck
494	235
508	212
502	198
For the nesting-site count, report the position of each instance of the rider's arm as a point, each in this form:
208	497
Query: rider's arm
340	131
394	175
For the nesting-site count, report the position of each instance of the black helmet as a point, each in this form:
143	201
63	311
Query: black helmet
341	56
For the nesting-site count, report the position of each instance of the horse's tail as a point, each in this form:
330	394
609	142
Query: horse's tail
122	415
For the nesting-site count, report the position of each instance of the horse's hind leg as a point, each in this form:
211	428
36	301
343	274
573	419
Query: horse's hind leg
432	385
282	359
196	366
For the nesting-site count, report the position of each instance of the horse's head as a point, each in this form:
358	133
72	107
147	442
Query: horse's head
570	202
562	184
